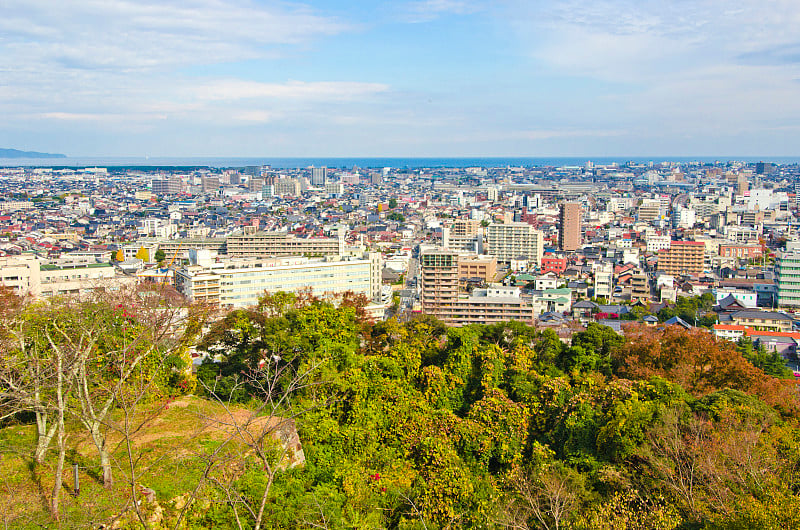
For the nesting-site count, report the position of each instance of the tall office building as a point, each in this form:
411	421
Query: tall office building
569	238
318	175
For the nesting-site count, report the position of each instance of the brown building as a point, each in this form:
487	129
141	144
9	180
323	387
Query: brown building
489	306
682	257
740	251
472	267
439	273
569	238
640	288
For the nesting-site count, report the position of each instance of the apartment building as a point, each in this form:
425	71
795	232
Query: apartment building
439	274
510	241
489	306
277	244
569	237
683	257
787	278
239	282
30	275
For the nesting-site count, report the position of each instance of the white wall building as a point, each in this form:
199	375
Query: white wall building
239	282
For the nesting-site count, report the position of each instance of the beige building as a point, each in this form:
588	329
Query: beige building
276	244
483	267
513	240
30	275
682	257
489	306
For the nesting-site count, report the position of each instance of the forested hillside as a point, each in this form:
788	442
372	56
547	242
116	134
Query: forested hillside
313	417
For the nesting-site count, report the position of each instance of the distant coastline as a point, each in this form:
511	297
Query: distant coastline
16	153
364	162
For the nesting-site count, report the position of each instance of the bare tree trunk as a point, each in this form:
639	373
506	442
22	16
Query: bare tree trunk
105	461
44	436
61	449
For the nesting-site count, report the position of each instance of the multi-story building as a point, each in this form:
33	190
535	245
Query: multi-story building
510	241
554	264
740	251
657	242
177	249
649	210
167	186
318	176
29	275
604	282
569	237
787	279
288	186
440	281
239	282
473	267
266	244
640	288
489	306
682	257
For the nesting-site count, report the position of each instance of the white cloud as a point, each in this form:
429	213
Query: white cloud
120	35
233	89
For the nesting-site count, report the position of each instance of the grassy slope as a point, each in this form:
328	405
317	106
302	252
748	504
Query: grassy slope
167	447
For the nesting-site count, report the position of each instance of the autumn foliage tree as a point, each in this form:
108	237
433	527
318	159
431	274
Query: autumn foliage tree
699	363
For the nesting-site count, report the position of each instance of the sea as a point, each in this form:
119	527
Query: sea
349	163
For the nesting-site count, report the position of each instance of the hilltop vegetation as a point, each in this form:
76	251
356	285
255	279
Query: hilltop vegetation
401	425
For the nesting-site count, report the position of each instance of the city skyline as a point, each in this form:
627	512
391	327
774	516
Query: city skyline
419	79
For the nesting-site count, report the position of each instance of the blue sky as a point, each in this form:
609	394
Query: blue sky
414	78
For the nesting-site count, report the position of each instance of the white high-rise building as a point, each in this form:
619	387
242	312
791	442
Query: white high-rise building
513	240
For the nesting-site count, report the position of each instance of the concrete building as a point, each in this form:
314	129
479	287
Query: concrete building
657	242
683	257
239	282
604	282
513	240
489	306
274	244
319	175
569	236
167	186
472	267
649	210
439	282
640	288
787	279
30	275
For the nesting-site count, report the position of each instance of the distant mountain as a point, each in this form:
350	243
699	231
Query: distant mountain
16	153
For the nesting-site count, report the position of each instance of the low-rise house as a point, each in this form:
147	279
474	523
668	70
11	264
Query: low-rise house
759	320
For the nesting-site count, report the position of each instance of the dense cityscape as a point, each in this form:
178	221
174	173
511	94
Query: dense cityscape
548	246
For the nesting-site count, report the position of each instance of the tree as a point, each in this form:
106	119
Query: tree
160	256
698	362
392	203
544	498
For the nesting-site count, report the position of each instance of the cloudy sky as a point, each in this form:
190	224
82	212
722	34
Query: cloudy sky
401	78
